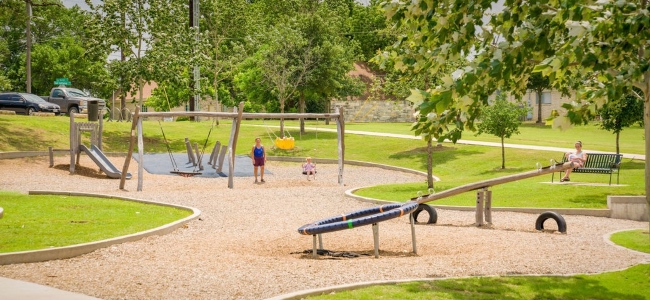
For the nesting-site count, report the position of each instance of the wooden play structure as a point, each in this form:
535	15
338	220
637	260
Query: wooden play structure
237	116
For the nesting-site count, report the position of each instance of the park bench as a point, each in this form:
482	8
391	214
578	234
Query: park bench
600	163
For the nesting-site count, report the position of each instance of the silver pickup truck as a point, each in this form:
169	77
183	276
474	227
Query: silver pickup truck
72	100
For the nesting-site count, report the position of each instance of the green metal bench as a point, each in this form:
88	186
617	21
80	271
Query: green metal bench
600	163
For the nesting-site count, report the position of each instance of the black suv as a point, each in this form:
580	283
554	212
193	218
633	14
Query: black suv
24	103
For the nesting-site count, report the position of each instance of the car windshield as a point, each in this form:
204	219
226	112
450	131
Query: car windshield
76	92
33	98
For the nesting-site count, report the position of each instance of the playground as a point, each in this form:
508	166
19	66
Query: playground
245	244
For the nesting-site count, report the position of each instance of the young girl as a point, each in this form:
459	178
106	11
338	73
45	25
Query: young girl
258	155
309	168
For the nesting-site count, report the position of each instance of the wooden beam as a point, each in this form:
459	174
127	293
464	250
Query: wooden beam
140	156
233	144
244	115
491	182
129	154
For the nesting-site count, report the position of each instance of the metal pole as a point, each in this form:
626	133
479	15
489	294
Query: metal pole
320	241
314	253
412	220
375	235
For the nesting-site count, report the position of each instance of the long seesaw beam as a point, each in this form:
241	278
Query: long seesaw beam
491	182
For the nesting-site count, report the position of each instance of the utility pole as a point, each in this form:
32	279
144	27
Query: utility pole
28	44
194	23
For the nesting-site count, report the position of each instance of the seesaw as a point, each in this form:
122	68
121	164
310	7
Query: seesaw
374	215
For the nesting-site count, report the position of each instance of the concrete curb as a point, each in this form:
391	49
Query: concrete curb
350	162
57	152
530	210
76	250
354	286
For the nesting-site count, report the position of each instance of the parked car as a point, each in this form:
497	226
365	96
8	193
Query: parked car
24	103
72	100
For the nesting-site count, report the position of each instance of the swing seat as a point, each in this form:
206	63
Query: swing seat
286	143
185	174
305	172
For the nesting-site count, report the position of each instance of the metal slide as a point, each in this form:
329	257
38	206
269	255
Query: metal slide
104	164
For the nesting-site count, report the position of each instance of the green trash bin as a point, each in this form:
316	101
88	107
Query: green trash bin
93	110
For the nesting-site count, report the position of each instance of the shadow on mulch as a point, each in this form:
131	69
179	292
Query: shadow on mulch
328	254
82	171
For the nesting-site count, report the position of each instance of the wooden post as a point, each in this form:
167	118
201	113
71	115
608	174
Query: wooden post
480	195
140	155
222	156
51	151
233	144
73	136
488	207
375	235
412	220
101	130
340	124
197	154
129	154
190	153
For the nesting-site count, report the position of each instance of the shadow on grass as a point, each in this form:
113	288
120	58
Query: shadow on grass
506	171
441	155
632	165
22	137
539	288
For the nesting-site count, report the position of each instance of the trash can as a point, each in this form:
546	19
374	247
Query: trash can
93	110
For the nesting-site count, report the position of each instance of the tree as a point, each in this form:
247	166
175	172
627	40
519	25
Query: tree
616	116
603	45
123	25
538	83
501	119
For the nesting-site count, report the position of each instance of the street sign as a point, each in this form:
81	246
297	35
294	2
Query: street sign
62	81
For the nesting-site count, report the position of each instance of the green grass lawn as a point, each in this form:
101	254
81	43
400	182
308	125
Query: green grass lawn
631	140
33	222
630	284
638	240
454	164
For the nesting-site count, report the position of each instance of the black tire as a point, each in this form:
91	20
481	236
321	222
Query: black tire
561	223
73	109
433	215
30	111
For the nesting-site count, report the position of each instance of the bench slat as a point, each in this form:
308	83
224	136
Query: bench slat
599	163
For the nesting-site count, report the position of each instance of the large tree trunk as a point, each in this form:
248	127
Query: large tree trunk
646	120
430	164
281	119
618	148
28	46
302	105
539	106
503	154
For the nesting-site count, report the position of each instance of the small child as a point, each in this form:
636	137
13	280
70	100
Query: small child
309	168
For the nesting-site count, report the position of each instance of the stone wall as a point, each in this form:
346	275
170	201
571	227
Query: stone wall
385	111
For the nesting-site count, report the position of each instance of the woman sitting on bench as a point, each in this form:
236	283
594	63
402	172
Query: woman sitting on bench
578	159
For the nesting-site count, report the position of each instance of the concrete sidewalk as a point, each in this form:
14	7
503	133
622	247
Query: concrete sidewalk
11	289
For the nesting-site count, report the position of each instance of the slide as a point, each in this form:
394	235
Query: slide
104	164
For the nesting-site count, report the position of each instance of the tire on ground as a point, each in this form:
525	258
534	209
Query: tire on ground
561	223
433	215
